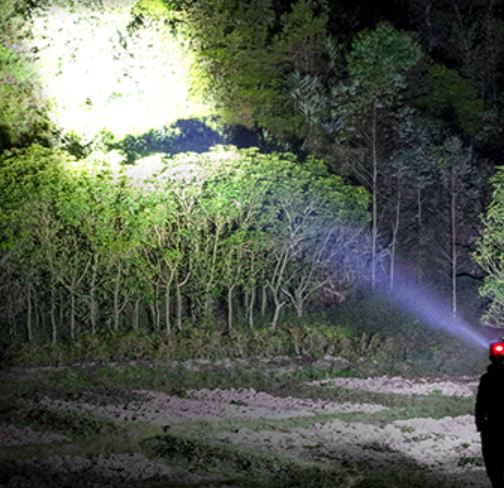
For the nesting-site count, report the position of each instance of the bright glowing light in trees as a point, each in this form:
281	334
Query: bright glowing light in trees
97	76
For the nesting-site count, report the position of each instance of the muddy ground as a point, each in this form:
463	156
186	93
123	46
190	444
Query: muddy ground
346	426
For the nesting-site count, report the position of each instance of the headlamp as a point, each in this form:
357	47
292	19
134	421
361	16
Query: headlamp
497	349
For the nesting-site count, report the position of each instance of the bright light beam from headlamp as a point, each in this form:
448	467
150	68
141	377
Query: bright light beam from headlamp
419	303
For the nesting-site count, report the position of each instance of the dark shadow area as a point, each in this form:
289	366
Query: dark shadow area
189	135
193	135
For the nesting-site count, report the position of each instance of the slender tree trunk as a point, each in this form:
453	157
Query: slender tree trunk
136	309
153	310
454	245
53	317
12	320
179	307
375	202
278	307
230	308
72	315
167	307
276	285
299	304
251	307
61	312
39	314
93	304
29	319
180	301
116	298
210	283
264	299
395	232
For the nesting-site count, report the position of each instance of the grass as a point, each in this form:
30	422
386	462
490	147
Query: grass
246	468
145	361
377	333
75	425
189	445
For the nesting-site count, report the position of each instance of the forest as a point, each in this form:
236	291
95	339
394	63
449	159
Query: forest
187	167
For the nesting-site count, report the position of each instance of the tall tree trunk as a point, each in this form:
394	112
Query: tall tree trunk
93	304
375	201
53	318
395	232
179	300
251	304
278	307
136	309
167	307
264	299
299	303
230	308
61	312
116	298
454	244
29	318
12	319
72	315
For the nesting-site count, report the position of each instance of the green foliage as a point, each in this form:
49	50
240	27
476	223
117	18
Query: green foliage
377	66
245	50
379	61
75	425
142	83
490	252
396	479
452	99
202	228
248	469
22	107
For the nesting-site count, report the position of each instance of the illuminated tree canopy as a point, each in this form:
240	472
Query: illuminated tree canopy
110	91
194	227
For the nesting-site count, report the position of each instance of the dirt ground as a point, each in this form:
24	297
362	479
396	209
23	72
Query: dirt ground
446	449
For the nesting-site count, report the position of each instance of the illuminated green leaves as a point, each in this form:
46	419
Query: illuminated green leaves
379	61
198	227
490	253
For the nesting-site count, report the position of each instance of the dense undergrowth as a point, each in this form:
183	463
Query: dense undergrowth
388	342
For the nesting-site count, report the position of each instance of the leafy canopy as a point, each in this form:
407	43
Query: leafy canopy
490	252
379	61
452	99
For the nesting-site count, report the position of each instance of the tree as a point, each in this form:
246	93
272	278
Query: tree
304	206
477	39
490	252
455	167
377	66
34	236
243	50
452	100
22	107
354	111
208	229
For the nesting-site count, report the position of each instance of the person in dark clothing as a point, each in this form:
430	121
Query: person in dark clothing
489	415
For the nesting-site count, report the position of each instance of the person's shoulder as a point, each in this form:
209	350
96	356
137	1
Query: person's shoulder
494	372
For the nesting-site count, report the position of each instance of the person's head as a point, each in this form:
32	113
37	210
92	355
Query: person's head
497	352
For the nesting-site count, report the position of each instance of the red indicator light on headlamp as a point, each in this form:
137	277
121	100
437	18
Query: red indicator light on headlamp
497	349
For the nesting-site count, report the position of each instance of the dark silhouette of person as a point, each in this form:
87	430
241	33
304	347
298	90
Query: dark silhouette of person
489	415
